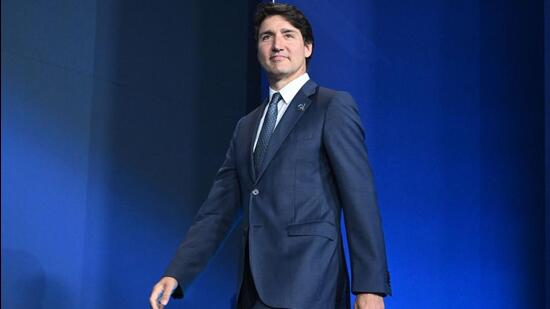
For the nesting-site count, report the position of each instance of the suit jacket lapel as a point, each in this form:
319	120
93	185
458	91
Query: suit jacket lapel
294	112
254	130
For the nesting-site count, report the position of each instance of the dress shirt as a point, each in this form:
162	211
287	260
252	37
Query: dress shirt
288	93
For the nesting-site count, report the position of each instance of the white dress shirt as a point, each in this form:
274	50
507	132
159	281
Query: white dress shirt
288	93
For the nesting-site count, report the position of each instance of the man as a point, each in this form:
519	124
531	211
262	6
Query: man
293	165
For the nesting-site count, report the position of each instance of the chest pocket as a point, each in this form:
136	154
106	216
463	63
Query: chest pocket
301	135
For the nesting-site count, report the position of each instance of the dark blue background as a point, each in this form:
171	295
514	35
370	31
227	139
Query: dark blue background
117	114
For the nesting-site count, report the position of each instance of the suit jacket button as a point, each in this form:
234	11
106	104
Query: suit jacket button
255	192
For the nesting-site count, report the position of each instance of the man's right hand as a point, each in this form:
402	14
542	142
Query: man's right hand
162	291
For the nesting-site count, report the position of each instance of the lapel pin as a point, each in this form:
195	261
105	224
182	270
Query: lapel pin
301	107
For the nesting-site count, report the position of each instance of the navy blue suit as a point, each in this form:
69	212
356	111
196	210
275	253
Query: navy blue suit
314	167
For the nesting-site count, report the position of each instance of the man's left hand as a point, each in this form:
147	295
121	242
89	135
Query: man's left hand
369	301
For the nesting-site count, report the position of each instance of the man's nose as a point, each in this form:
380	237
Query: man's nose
276	44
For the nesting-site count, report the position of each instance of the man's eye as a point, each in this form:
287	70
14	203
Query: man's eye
288	36
265	37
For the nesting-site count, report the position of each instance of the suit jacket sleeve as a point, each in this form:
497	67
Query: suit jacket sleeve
210	225
344	140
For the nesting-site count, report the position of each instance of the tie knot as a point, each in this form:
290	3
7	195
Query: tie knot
275	98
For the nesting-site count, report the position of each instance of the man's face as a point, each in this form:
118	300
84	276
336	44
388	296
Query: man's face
281	49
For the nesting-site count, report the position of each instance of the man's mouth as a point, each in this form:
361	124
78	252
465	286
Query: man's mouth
277	58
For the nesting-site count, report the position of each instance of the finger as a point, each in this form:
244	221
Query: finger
153	303
154	299
165	296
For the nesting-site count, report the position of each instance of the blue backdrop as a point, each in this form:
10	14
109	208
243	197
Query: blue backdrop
115	117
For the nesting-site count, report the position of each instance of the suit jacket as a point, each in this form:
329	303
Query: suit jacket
314	169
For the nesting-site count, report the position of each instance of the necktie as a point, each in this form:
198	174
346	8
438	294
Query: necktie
267	129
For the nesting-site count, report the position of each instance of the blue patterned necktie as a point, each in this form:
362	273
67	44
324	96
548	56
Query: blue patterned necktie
267	129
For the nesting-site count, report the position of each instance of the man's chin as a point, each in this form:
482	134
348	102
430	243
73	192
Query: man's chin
280	70
279	73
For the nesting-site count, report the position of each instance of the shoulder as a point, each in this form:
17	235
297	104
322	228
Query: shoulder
341	114
252	116
334	99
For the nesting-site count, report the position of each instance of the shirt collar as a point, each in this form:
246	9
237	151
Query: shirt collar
289	91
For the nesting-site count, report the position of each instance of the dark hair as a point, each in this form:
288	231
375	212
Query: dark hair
289	12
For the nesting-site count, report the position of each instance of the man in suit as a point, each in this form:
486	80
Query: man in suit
294	164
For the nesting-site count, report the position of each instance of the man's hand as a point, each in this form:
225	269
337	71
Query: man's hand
162	291
369	301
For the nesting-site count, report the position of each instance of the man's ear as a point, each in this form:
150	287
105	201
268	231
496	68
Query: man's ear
308	48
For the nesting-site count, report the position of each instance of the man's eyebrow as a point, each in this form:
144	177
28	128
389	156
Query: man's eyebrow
266	32
284	30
